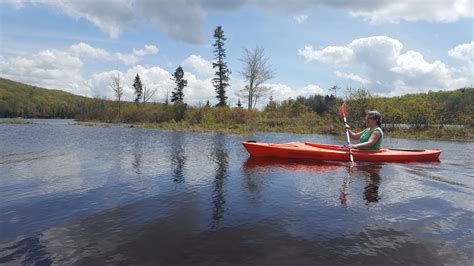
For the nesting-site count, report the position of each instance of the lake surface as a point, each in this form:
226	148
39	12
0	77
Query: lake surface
75	194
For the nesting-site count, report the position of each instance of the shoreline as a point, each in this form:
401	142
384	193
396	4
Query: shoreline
465	134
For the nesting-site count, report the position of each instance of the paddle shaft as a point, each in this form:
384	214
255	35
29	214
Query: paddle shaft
348	141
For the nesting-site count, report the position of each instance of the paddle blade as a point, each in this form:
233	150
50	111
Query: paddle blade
342	110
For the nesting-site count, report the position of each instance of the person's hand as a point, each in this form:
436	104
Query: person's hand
346	126
352	146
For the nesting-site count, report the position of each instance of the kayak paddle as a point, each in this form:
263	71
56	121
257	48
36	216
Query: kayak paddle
342	114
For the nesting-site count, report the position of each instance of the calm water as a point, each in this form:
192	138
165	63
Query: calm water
95	195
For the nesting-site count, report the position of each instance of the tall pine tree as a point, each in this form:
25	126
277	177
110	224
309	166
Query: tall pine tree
177	94
138	86
221	81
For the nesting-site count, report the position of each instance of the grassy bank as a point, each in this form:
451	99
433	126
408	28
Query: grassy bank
92	124
457	134
14	121
292	118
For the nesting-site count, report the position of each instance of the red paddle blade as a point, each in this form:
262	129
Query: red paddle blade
342	110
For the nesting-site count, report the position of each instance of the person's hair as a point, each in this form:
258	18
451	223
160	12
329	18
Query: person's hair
375	116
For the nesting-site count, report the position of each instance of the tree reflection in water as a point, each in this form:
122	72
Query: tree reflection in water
178	158
139	143
221	157
137	162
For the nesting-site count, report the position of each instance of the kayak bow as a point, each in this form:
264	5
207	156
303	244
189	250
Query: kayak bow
316	151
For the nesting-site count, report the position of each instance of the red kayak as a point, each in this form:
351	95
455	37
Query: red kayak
315	151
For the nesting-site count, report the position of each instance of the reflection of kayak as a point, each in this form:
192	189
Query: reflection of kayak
291	164
315	151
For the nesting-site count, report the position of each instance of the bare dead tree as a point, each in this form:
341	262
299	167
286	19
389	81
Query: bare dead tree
117	87
256	71
147	94
261	92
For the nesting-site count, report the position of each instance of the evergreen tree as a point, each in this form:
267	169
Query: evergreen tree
239	104
221	81
178	77
272	105
138	86
208	104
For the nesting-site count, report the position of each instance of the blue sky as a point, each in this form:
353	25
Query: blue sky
413	46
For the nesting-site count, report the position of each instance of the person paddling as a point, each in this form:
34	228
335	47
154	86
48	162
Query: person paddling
371	137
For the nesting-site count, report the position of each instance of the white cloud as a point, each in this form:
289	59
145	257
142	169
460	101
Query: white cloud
100	84
311	90
128	59
152	77
84	49
198	91
463	52
111	16
300	18
148	49
278	91
376	51
87	50
380	59
331	55
199	65
50	68
56	69
351	76
416	10
282	92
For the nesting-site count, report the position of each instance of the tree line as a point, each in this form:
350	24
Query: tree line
417	110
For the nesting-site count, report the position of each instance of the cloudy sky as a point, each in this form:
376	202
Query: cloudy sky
389	47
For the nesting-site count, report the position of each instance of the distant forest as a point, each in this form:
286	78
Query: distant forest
416	110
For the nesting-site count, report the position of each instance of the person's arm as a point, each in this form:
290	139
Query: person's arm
372	140
352	135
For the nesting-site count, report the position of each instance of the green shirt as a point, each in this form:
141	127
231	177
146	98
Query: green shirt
366	136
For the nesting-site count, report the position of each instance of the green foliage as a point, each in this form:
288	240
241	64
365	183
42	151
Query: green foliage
272	105
428	114
318	103
221	81
21	100
292	108
179	110
138	86
177	94
359	101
